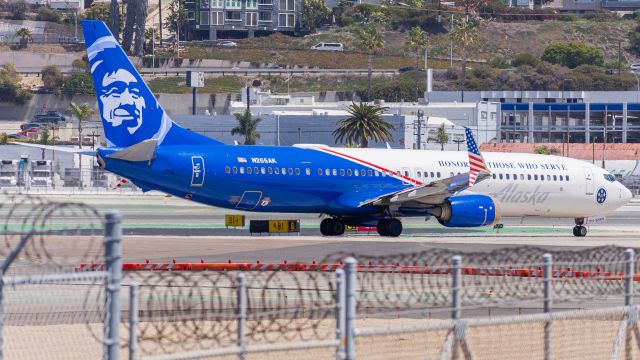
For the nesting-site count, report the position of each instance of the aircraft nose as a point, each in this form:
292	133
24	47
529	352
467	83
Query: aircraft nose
625	195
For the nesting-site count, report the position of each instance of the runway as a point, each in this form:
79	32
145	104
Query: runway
163	228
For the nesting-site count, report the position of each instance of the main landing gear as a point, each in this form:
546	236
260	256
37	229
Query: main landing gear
332	227
389	227
580	230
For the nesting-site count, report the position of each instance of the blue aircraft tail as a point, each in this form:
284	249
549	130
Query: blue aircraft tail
129	111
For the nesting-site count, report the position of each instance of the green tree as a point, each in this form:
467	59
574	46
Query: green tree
44	137
464	34
177	16
247	127
150	35
3	138
371	41
442	137
416	3
417	41
542	150
314	14
573	54
364	123
52	77
47	14
18	9
25	36
83	113
10	89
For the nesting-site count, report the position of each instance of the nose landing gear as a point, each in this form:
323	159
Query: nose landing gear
580	230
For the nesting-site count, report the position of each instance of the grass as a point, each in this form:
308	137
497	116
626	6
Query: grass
177	85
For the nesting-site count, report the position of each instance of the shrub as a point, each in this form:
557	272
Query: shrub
48	14
573	54
525	59
498	63
542	150
52	77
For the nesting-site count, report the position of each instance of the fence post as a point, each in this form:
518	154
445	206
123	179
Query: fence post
340	312
628	274
456	275
242	313
133	320
350	315
113	261
547	276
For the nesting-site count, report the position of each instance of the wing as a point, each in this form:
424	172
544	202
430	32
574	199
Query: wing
87	152
436	192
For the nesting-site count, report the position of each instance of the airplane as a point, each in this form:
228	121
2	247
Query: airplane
350	186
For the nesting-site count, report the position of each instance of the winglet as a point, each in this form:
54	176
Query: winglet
476	160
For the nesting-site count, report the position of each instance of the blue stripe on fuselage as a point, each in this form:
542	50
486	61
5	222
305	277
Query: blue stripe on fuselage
172	172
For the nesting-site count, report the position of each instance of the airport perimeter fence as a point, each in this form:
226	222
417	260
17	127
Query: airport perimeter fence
510	303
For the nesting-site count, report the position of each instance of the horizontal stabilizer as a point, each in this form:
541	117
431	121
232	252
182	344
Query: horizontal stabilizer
143	151
71	150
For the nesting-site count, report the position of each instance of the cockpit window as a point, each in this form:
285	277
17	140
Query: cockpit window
609	177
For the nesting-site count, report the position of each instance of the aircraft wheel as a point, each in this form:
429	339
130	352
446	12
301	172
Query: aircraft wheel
325	227
337	227
579	231
383	224
394	228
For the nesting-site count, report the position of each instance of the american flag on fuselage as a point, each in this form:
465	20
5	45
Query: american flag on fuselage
476	161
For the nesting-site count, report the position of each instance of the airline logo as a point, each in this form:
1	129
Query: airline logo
601	196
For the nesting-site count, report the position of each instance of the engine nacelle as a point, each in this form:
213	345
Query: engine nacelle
469	211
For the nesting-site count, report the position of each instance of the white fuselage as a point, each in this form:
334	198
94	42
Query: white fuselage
523	184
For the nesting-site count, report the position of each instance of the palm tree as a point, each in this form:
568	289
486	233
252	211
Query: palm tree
417	41
25	36
465	33
82	113
247	127
364	124
371	40
442	137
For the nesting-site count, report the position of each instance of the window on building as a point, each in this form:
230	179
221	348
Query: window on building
191	15
204	18
217	4
265	2
264	16
232	4
286	20
252	4
232	16
287	5
252	19
217	18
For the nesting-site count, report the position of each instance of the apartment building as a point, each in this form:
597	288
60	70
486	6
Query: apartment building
213	19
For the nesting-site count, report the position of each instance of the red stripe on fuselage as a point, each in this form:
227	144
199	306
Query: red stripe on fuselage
374	165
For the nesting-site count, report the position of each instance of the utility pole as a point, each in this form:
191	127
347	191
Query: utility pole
619	59
160	16
418	125
604	133
451	46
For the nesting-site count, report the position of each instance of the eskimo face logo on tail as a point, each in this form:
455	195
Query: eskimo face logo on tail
129	111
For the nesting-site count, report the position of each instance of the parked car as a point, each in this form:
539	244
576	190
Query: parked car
406	69
47	120
16	136
323	46
38	126
227	43
634	67
62	116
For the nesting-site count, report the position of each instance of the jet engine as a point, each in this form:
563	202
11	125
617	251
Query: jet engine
469	211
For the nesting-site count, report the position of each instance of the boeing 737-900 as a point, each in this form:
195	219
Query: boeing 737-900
351	186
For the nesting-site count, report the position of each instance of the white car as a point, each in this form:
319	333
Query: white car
634	67
227	43
323	46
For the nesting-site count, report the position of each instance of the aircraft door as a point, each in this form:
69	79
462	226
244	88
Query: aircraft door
249	200
588	178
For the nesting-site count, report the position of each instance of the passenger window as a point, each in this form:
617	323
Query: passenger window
277	171
284	171
377	173
506	176
452	174
263	171
566	177
521	176
227	169
235	169
438	174
241	170
528	176
349	172
255	169
341	172
249	170
419	174
307	171
370	172
561	178
355	172
363	172
548	177
555	178
500	176
270	171
494	176
290	171
535	176
334	172
297	171
432	174
541	177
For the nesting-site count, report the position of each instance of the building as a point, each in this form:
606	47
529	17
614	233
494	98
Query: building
213	19
562	116
592	5
59	4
